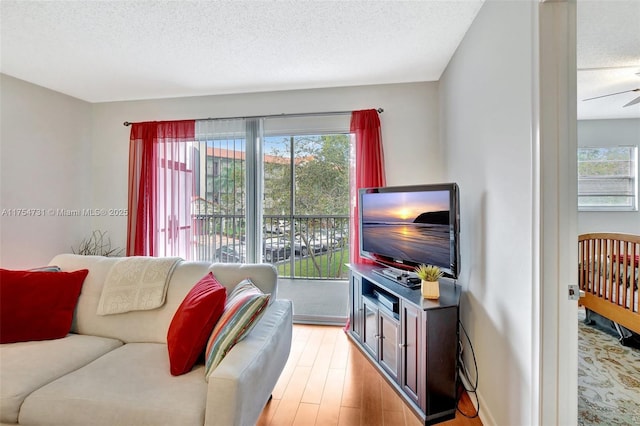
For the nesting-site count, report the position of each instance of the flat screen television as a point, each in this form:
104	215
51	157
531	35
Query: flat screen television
404	226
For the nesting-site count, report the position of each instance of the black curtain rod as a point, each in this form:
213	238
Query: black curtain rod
303	114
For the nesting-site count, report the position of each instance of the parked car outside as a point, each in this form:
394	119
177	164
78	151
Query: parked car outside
232	253
326	239
276	227
276	249
299	248
303	246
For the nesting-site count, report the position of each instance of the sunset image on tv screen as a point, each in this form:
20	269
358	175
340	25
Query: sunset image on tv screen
403	225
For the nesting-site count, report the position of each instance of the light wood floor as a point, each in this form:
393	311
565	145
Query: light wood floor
327	381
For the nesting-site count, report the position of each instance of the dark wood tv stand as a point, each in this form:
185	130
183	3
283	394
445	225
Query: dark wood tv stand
412	341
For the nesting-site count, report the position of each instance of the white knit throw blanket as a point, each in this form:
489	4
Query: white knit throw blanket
137	283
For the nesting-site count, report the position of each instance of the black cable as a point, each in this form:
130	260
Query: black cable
465	374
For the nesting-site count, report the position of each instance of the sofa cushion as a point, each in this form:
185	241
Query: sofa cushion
240	385
192	323
130	385
27	366
37	305
262	275
50	268
151	326
244	306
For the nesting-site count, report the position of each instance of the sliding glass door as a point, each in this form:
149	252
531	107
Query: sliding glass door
273	190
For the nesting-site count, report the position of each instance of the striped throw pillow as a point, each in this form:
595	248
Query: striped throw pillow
244	306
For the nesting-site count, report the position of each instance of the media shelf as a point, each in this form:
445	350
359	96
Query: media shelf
412	341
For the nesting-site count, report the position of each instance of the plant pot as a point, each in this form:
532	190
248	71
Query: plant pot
430	289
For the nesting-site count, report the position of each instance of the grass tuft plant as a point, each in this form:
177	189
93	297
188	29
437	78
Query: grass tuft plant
428	272
98	244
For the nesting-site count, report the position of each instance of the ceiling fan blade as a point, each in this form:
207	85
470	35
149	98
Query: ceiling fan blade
611	94
633	102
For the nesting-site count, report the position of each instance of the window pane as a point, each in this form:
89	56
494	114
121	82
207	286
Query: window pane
322	174
588	201
306	202
218	206
604	186
175	188
617	161
277	177
321	204
607	178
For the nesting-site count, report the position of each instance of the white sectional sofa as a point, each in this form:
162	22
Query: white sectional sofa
114	369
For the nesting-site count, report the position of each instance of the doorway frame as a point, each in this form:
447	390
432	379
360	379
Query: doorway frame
556	326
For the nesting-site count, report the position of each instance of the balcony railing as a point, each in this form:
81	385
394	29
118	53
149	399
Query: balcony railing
310	247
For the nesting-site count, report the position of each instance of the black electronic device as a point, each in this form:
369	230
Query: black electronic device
394	273
405	226
401	277
387	301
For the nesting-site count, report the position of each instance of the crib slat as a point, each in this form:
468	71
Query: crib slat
594	267
626	268
609	275
607	258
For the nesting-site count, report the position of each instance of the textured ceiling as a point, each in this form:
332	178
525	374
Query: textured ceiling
103	51
608	57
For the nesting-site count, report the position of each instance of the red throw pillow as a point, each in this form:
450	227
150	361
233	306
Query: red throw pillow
192	323
38	305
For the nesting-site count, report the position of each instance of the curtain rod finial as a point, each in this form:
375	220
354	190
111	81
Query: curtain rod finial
126	123
380	110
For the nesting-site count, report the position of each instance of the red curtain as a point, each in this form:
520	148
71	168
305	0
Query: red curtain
157	155
367	169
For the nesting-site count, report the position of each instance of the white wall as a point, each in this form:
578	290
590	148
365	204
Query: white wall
486	124
609	133
409	131
45	161
63	153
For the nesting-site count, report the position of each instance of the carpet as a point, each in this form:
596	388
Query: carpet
608	378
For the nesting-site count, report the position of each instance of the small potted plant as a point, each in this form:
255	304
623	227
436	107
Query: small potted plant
429	274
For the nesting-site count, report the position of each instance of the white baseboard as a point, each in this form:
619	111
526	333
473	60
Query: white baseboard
484	414
319	320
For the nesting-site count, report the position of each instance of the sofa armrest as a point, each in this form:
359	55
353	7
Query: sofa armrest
241	384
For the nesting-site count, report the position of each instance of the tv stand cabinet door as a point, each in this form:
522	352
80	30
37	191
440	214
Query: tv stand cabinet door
411	377
389	343
440	363
370	331
357	309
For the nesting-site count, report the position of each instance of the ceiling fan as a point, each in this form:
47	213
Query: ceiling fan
633	102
